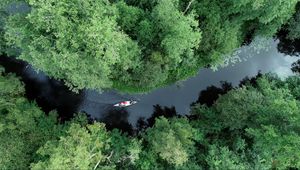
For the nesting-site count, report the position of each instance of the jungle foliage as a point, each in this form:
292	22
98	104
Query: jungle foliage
131	45
23	126
135	46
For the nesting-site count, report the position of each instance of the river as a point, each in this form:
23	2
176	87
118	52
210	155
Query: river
52	94
267	59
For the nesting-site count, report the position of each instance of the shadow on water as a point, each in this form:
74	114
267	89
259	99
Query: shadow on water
251	80
114	117
289	47
296	67
158	111
212	93
48	93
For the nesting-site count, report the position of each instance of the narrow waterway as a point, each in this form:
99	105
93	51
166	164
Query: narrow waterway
52	94
267	59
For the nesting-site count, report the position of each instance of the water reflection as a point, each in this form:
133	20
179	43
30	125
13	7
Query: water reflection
296	67
291	48
287	46
212	93
167	112
114	117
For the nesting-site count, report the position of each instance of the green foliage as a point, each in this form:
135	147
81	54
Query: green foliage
125	150
179	34
77	150
89	148
249	127
222	158
81	43
3	17
231	108
135	46
78	41
268	15
167	38
293	85
277	149
220	35
226	24
293	26
171	140
23	126
258	126
129	16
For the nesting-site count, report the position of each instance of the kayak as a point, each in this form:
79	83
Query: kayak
125	103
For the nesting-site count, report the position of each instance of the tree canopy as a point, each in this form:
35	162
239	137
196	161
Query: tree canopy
136	46
253	126
23	126
133	46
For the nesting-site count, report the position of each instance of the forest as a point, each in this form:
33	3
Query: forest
136	46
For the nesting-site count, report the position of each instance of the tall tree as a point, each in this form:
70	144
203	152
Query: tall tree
89	148
168	140
258	124
76	41
136	46
23	126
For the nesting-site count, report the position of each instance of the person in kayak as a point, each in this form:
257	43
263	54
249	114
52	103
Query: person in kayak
125	103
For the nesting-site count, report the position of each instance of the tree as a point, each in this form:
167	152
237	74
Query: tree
227	24
293	26
23	126
90	147
172	141
222	158
267	15
293	85
276	149
65	40
220	35
136	46
168	39
257	124
3	15
76	41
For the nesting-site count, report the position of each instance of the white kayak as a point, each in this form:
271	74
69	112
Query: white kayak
125	103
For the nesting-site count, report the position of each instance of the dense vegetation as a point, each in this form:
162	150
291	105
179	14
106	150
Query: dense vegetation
133	45
138	45
254	126
293	26
23	126
289	38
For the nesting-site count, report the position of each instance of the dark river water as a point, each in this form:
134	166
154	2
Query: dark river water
182	95
52	94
